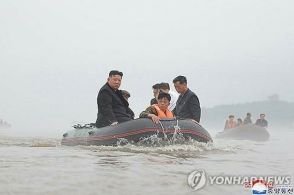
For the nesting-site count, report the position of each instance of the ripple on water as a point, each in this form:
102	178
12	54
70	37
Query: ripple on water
190	149
29	142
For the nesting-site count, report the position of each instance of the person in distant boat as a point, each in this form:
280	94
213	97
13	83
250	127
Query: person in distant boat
239	122
159	110
155	89
230	123
247	119
164	87
112	106
261	121
187	105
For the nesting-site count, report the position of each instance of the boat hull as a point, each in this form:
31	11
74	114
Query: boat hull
134	131
245	132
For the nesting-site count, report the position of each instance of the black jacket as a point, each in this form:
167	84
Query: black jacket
112	107
261	123
247	120
188	106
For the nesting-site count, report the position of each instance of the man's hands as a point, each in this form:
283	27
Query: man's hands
194	121
154	118
114	123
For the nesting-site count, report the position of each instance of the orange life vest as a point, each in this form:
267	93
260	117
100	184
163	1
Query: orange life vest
161	114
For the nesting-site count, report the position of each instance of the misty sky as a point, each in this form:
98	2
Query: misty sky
56	54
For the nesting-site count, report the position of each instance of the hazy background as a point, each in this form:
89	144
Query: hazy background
56	54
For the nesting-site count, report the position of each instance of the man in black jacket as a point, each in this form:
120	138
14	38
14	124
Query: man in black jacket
261	121
188	105
112	106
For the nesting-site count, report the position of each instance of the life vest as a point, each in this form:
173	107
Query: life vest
161	114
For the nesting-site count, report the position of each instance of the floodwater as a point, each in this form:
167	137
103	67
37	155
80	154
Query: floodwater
43	166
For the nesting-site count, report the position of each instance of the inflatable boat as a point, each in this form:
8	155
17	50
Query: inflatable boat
134	131
245	132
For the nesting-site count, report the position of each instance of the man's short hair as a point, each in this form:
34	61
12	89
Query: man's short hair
231	116
262	115
115	72
164	86
181	79
164	95
156	86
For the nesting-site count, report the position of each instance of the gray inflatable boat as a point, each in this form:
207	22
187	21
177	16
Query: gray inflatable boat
134	131
245	132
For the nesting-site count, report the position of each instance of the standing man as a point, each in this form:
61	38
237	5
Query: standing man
188	105
261	121
112	106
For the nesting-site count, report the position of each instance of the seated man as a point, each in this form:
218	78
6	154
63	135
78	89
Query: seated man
230	123
127	95
160	110
113	108
239	122
247	119
261	121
